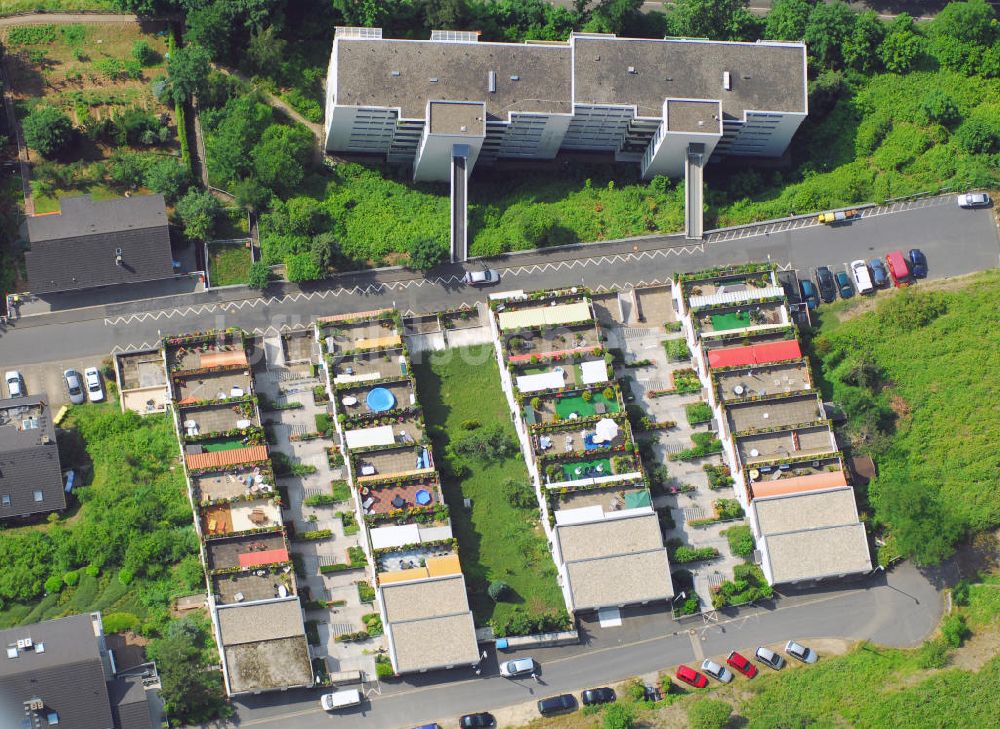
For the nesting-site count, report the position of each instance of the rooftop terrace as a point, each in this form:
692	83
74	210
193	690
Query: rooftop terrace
762	380
211	386
250	586
225	553
788	443
352	400
218	418
775	413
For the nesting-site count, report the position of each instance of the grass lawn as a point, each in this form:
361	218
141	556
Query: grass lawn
496	540
10	7
734	320
232	225
576	404
223	445
585	467
49	203
229	263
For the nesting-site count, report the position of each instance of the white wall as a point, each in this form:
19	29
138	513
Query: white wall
433	161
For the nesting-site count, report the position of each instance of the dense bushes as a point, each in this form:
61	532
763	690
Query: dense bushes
520	622
48	131
912	378
487	445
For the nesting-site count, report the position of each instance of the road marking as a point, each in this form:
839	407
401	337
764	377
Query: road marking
699	652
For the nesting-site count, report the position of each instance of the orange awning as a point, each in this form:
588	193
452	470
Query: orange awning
755	354
797	484
269	556
221	359
221	459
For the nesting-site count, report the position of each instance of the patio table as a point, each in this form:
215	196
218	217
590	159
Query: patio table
236	392
367	470
349	400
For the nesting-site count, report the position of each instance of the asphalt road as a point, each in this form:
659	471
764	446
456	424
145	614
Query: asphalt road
898	610
955	242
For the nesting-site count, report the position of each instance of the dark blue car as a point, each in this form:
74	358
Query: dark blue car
809	293
880	277
918	263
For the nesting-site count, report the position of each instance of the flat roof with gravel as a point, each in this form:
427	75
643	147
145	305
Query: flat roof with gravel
264	645
813	554
793	512
429	624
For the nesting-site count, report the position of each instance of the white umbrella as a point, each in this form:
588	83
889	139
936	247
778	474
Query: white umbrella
606	430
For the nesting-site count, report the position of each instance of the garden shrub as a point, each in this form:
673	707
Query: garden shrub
120	622
954	630
519	494
486	445
71	578
618	716
740	540
498	590
708	714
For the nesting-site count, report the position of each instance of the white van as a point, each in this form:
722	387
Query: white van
862	279
340	699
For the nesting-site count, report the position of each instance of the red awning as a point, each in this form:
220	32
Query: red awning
270	556
755	354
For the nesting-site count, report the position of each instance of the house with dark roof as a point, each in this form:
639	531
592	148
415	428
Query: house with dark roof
61	673
92	243
30	473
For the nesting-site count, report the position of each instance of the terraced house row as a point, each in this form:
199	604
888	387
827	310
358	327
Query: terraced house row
252	592
789	475
407	534
592	490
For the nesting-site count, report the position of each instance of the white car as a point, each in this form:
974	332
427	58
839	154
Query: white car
75	387
800	652
481	278
974	200
518	667
862	278
340	699
717	671
95	389
15	383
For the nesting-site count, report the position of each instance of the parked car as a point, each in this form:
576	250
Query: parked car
518	667
769	658
827	289
862	279
974	200
602	695
340	699
474	721
75	387
15	384
809	294
484	277
879	275
800	652
918	263
716	671
95	389
691	677
742	664
844	285
898	270
557	704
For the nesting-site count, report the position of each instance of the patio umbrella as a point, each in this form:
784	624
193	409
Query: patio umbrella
606	430
398	502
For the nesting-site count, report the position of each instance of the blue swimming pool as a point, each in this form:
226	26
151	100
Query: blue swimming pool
380	399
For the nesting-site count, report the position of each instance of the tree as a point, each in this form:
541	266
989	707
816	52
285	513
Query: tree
969	22
266	51
279	159
786	20
939	107
211	27
302	267
861	47
187	72
426	253
715	19
901	46
498	590
977	136
613	16
450	14
250	194
709	714
199	212
191	693
323	248
144	53
260	274
127	168
235	129
168	178
827	32
48	131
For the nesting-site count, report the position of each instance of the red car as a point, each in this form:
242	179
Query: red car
741	664
692	677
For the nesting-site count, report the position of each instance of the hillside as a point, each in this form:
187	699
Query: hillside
918	377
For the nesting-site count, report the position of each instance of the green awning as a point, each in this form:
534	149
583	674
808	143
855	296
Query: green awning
636	499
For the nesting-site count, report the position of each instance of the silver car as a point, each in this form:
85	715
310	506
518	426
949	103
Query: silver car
800	652
974	200
75	387
717	671
518	667
95	389
770	658
484	277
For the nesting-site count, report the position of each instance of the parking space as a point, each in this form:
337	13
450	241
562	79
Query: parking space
48	378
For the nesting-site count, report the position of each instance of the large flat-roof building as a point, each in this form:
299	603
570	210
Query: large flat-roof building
645	101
